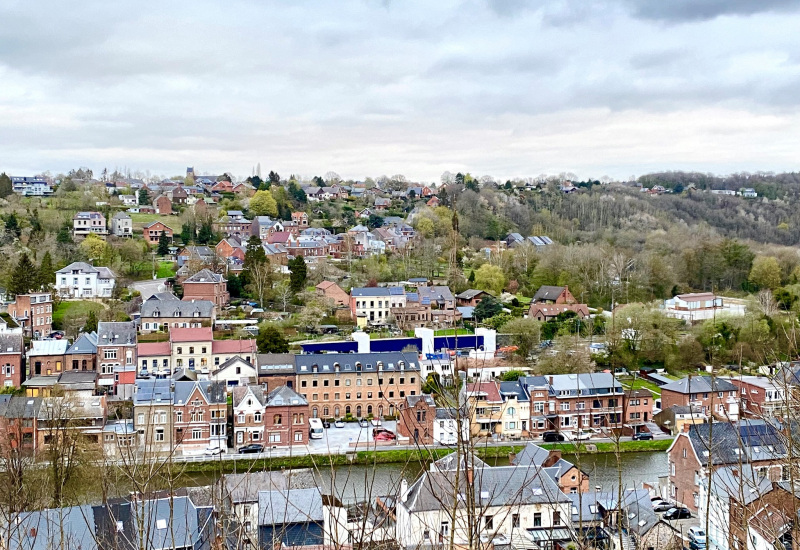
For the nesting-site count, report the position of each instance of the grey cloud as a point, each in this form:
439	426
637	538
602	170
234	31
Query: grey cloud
679	11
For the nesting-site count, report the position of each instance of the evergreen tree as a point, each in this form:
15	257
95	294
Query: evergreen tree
188	232
163	244
64	235
12	225
6	188
271	340
91	322
274	178
471	277
234	285
143	197
299	273
254	254
24	278
47	272
206	232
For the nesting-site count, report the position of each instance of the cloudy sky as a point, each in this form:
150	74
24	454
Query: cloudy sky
501	87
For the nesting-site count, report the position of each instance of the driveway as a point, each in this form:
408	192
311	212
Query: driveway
149	287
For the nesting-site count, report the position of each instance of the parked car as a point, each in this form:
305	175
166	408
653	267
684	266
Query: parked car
253	448
582	435
377	431
642	436
695	545
377	422
677	513
338	423
326	424
662	506
364	423
211	451
385	436
552	437
697	535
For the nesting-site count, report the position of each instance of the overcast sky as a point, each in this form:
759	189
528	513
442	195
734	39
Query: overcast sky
364	88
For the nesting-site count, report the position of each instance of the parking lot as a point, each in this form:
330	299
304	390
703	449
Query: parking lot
339	439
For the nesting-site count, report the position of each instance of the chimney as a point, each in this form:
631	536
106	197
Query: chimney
552	457
551	380
470	476
686	427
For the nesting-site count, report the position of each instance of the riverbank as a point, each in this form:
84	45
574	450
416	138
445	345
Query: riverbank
403	456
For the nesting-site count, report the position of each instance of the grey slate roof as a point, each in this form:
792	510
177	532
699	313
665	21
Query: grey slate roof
116	333
514	389
438	294
284	395
163	297
83	267
470	294
177	308
292	506
153	390
699	384
204	276
740	483
501	486
734	442
585	383
85	343
20	406
275	362
11	343
547	293
241	392
326	362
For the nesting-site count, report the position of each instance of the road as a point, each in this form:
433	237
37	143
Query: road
337	441
148	287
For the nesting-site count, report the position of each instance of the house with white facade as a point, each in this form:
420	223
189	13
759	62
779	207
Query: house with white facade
700	306
121	225
445	427
249	406
235	372
81	280
84	223
31	186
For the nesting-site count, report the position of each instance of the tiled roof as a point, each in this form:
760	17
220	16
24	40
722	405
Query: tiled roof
202	334
147	349
233	346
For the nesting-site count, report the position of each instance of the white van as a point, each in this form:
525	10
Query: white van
315	430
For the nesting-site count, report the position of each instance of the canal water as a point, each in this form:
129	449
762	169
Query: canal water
363	482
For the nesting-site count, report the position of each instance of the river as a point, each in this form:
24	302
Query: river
359	482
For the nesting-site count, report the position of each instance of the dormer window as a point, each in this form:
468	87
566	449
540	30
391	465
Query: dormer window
156	313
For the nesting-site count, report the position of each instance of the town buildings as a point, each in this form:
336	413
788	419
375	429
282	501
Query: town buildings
760	397
711	395
34	313
121	225
701	306
12	354
163	311
191	348
356	385
84	223
372	306
153	230
81	280
206	285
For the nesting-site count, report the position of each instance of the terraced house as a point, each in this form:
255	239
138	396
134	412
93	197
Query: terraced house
163	311
572	402
357	384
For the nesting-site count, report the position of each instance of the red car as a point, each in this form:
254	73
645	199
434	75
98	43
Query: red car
381	434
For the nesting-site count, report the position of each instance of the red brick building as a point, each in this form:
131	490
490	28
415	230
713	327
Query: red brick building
752	442
760	397
162	205
33	312
116	350
417	415
332	291
152	232
19	417
300	218
200	415
711	395
207	285
276	370
637	406
285	418
11	360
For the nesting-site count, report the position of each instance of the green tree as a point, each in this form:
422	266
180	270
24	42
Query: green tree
144	198
274	177
299	273
524	333
490	278
47	272
254	254
24	278
6	188
64	235
262	203
374	221
512	375
488	307
12	225
91	322
205	234
188	232
93	246
163	244
766	272
271	340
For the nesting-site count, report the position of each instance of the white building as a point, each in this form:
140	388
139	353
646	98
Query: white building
493	504
35	186
374	304
235	372
129	200
249	406
445	427
81	280
701	306
121	225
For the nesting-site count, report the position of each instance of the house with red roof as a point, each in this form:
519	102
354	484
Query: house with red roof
152	232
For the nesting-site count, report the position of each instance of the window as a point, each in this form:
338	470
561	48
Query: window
191	350
298	436
159	434
515	520
488	522
537	519
257	417
510	411
197	433
178	416
180	351
303	383
565	406
276	420
556	518
241	419
275	438
109	353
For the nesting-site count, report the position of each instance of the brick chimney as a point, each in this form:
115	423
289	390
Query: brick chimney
553	457
551	380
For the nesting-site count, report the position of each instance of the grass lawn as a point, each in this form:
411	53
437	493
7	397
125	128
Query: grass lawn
639	383
453	332
140	220
165	270
606	447
524	300
78	308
